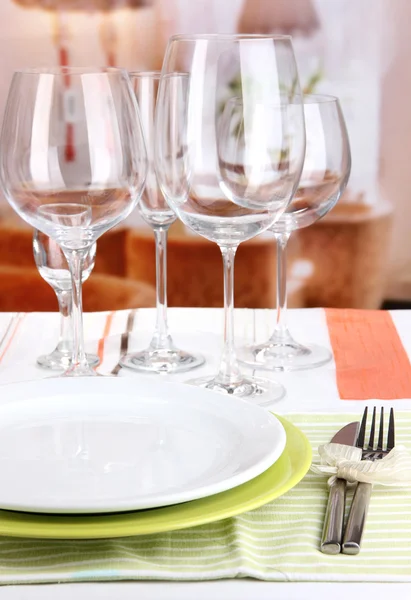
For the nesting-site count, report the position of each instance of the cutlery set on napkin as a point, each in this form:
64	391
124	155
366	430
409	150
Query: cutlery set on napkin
349	458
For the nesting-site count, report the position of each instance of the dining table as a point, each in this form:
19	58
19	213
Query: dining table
370	367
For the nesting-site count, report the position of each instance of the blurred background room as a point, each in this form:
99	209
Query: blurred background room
358	256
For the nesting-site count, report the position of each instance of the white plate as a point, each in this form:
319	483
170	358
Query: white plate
93	445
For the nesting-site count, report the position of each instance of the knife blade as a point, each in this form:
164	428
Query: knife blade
331	539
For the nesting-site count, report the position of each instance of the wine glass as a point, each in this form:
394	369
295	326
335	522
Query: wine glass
325	174
161	356
73	163
229	151
52	266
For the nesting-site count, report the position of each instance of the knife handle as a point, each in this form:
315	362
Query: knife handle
356	519
334	518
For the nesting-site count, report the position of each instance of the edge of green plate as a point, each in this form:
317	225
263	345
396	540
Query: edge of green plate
283	475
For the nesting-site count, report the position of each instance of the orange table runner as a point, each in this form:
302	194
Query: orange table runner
370	359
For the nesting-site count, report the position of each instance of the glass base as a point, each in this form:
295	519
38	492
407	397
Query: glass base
81	371
59	361
287	356
161	361
258	391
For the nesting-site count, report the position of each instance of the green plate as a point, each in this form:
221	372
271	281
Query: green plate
289	469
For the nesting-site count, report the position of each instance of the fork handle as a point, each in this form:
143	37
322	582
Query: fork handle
356	519
334	518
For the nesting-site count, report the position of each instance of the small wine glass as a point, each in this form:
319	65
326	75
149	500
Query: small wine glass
52	266
325	174
161	356
72	163
229	168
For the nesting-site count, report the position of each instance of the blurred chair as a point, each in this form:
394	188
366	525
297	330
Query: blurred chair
16	239
195	270
111	248
125	263
16	243
23	290
349	251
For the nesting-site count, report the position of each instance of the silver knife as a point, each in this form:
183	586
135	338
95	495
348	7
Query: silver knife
331	539
124	340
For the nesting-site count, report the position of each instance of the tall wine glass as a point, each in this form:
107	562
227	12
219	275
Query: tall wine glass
324	178
52	266
161	356
73	163
229	169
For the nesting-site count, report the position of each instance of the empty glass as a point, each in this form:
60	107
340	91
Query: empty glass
324	178
161	356
73	163
53	268
229	152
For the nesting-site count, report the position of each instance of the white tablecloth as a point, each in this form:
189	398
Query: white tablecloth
198	330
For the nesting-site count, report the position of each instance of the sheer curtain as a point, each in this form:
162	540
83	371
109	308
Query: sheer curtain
395	143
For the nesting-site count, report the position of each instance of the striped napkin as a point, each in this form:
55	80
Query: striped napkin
278	542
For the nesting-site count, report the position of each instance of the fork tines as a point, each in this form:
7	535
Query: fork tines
391	431
370	448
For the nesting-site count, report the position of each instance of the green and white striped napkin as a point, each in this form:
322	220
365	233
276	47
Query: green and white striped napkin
278	542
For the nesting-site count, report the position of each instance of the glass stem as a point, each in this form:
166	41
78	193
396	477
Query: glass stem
161	339
79	364
229	372
281	334
65	343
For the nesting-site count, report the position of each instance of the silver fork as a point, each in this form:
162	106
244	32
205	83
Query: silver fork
359	507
